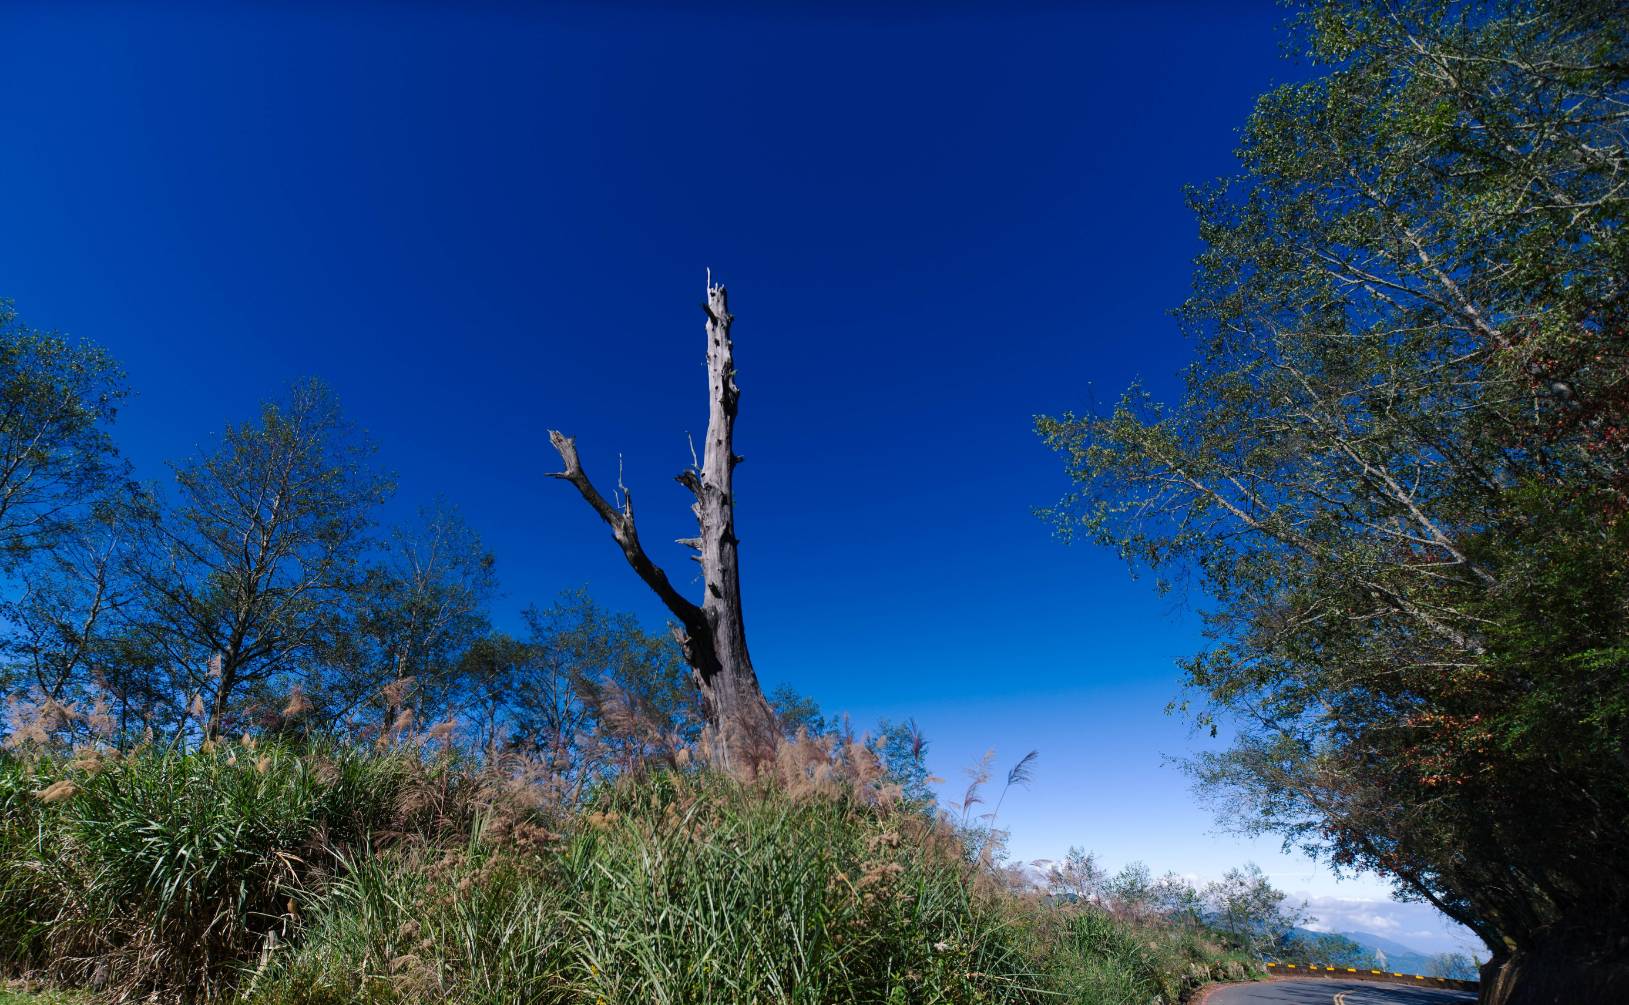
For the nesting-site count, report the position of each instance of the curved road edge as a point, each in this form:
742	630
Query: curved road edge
1326	991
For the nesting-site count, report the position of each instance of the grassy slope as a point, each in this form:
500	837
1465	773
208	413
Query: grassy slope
342	877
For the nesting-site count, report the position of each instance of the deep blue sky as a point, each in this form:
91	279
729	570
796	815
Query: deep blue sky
478	224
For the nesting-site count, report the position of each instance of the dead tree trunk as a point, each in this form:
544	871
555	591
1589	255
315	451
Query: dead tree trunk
741	727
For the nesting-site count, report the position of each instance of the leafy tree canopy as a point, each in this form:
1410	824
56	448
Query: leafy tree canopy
1400	465
57	399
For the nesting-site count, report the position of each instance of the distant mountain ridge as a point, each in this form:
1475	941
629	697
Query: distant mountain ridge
1400	958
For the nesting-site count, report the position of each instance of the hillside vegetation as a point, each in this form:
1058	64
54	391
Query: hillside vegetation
277	874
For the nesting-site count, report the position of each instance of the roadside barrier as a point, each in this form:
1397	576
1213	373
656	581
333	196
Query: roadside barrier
1364	974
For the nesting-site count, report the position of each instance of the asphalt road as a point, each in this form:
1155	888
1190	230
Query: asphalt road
1328	992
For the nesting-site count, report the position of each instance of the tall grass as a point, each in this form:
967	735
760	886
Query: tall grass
1096	958
28	898
169	871
707	891
331	877
671	889
472	926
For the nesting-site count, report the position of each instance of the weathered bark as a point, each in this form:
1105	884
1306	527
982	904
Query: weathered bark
1580	966
741	726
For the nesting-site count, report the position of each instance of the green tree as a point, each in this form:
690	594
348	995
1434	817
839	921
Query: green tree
1129	893
1315	948
589	690
419	607
1454	966
1249	912
60	527
248	576
1178	901
1400	468
903	750
795	711
1078	879
65	643
57	399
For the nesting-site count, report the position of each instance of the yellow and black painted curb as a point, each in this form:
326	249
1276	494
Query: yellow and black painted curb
1365	974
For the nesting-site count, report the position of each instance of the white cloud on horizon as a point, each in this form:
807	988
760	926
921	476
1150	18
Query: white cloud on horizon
1419	926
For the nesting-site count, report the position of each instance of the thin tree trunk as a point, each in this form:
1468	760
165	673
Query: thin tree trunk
218	703
741	726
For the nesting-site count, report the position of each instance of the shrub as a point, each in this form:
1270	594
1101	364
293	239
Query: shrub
169	871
